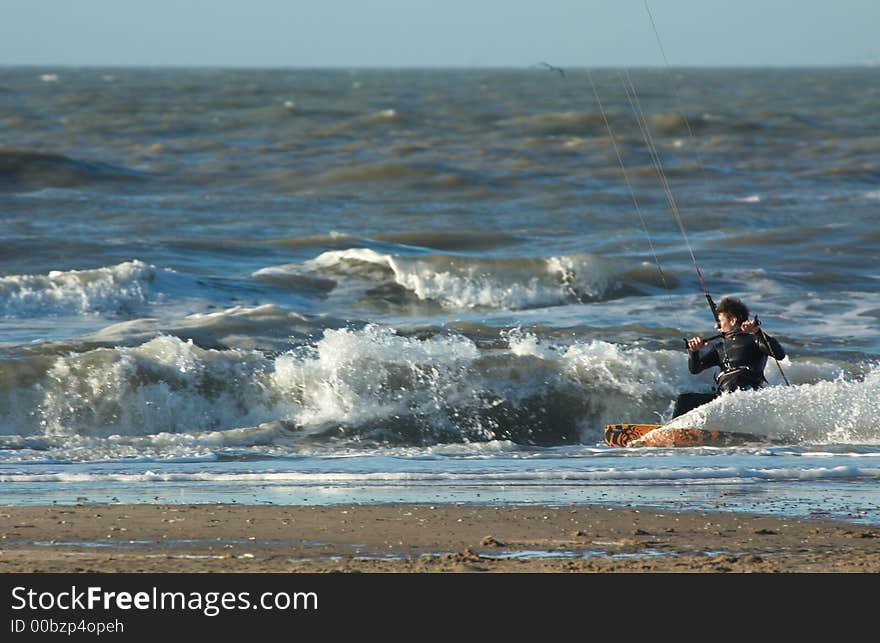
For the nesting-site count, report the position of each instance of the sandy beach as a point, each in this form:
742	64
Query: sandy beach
420	538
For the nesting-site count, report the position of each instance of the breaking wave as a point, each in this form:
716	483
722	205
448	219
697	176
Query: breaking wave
374	385
113	289
461	283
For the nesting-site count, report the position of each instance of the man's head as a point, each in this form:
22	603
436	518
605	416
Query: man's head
732	308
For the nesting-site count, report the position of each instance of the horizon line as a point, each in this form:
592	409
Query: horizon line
221	66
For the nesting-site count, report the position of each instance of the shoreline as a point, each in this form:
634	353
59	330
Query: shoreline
421	538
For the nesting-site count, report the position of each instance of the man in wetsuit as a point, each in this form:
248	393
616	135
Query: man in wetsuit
741	355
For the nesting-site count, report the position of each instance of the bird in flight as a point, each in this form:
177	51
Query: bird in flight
552	68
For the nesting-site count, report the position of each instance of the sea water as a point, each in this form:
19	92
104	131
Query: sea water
323	286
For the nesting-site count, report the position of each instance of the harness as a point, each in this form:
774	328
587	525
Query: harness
752	378
732	376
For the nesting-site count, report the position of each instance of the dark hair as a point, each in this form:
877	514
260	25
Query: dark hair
734	308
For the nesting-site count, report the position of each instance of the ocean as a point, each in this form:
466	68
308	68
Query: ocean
300	286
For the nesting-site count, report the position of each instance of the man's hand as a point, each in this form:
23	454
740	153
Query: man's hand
749	326
696	343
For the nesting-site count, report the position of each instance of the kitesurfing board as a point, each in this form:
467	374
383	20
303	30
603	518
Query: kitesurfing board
658	435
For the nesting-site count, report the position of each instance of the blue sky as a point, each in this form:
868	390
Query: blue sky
438	33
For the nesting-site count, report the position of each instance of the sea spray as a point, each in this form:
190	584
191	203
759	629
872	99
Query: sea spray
841	410
165	385
122	288
462	282
373	384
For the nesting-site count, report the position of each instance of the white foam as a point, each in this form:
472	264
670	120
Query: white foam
357	376
467	283
163	386
520	476
527	345
122	287
840	315
170	396
837	411
384	114
338	259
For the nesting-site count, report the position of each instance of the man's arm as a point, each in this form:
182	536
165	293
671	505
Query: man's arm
769	345
698	363
766	344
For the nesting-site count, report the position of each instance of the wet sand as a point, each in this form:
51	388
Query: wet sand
421	538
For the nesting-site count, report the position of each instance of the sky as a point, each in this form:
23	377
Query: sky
438	33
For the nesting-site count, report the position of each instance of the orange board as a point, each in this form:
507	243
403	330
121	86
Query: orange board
656	435
620	435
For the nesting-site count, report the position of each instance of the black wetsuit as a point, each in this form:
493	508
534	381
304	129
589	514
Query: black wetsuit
741	358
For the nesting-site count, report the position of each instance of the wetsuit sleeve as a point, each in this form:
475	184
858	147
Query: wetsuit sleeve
769	345
698	363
